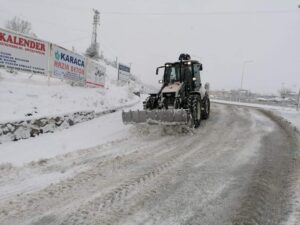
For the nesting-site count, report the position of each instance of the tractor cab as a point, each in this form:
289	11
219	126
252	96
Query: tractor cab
183	71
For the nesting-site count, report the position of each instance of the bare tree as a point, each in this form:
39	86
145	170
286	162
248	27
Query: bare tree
19	25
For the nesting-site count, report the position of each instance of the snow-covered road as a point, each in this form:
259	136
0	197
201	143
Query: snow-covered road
240	167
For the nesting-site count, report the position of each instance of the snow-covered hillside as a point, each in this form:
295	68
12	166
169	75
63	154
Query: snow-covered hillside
31	96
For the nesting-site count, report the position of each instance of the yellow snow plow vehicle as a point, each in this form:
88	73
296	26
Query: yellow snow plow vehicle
182	99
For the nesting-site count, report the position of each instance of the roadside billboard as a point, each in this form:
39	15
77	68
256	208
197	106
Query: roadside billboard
23	53
67	65
123	72
94	74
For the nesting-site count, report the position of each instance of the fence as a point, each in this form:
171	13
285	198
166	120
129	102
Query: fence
28	54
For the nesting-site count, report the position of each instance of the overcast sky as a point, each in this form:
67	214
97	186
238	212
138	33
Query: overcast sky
222	34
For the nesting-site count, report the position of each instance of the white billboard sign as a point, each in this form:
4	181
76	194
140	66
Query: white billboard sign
94	74
23	53
67	65
123	72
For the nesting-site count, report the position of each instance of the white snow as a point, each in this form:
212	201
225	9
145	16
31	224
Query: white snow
81	136
22	93
290	114
32	182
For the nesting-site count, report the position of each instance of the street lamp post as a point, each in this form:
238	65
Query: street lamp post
298	102
243	74
244	70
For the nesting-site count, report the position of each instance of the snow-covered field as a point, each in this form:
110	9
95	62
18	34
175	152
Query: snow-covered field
25	96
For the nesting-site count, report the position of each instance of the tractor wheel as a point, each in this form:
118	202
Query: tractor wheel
195	110
177	103
206	108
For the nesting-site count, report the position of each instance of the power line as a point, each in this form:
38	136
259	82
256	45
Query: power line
255	12
43	21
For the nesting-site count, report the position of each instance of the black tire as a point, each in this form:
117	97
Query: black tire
177	103
150	103
206	108
195	111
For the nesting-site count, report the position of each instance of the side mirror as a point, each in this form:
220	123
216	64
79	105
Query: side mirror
157	69
206	86
201	67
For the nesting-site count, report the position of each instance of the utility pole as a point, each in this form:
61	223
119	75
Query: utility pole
244	70
243	74
93	50
117	64
298	102
96	22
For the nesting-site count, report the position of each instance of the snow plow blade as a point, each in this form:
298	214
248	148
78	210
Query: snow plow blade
166	117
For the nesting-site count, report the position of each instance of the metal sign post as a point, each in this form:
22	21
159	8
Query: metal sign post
123	72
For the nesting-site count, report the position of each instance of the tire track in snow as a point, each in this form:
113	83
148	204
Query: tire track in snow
269	195
172	172
116	197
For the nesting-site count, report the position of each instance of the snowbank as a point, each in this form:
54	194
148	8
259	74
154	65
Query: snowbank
24	96
33	104
23	129
85	135
82	136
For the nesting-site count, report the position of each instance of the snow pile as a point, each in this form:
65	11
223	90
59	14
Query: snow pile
291	115
24	96
82	136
